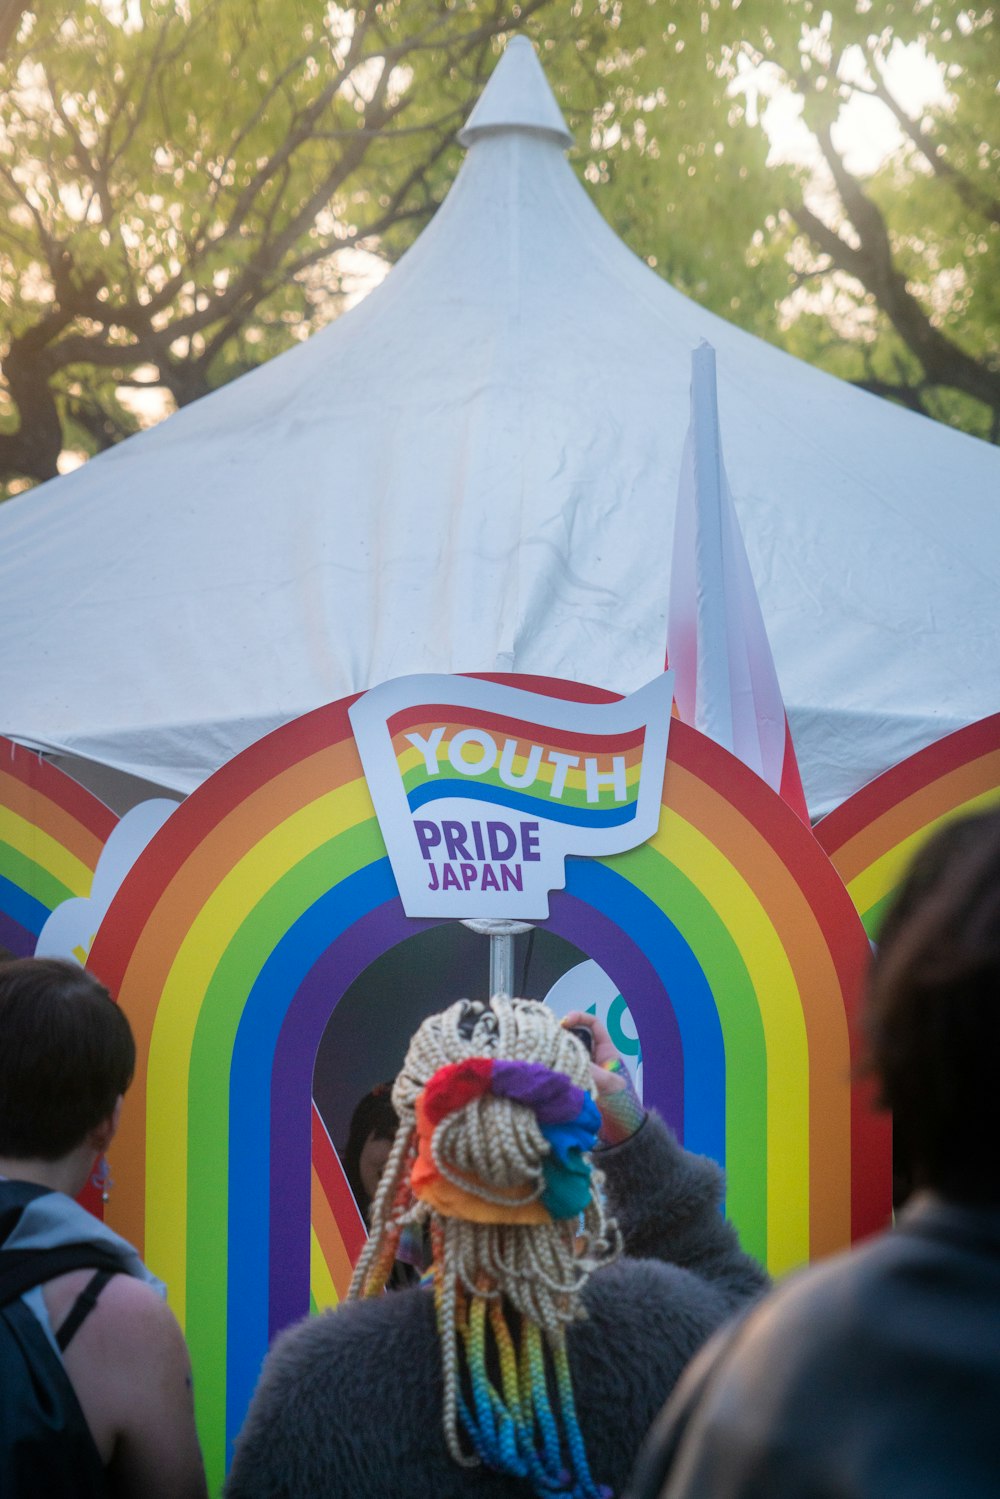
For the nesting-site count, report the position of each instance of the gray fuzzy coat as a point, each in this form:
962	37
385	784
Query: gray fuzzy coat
349	1403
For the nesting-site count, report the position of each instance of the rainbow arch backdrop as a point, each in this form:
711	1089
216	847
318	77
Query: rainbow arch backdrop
266	894
872	837
52	832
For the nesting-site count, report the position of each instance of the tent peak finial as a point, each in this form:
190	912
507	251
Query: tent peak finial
517	97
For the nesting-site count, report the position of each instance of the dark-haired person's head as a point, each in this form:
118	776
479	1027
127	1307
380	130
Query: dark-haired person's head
933	1012
372	1131
66	1057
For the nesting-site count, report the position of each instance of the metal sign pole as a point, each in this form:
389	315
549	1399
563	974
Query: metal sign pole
501	934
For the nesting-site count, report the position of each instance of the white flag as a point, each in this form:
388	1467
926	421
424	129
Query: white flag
726	685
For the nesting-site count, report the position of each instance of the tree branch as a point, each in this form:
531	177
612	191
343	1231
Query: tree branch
102	427
931	151
872	263
11	12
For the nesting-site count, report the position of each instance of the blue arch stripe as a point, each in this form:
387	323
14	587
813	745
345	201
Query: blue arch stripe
690	996
250	1124
274	991
25	909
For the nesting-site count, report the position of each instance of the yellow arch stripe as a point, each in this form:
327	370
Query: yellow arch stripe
324	1292
172	1043
785	1039
42	849
330	1265
885	872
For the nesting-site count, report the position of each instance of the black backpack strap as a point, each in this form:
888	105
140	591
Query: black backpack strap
22	1269
82	1307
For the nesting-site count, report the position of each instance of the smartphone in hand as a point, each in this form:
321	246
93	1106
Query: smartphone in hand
585	1036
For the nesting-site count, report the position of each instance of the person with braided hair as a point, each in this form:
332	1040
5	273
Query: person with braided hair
579	1258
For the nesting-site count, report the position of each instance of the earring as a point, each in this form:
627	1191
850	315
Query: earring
102	1178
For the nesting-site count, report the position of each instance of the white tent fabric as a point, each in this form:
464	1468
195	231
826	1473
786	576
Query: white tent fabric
476	469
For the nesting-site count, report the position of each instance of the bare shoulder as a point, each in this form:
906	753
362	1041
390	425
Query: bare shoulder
137	1309
121	1299
130	1368
131	1327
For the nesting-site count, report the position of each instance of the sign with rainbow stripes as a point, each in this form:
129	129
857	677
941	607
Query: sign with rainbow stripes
873	835
482	790
52	833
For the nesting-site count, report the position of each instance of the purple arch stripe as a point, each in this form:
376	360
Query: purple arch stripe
314	1001
334	970
19	939
596	935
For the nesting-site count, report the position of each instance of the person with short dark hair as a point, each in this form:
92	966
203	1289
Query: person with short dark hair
878	1372
369	1144
369	1141
67	1057
932	1018
95	1372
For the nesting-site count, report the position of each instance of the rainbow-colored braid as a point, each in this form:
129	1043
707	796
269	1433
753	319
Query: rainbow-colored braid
372	1274
514	1429
493	1155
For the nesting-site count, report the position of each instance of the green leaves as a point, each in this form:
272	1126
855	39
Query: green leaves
182	183
887	274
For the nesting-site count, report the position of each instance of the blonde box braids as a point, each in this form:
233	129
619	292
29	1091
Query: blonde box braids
493	1151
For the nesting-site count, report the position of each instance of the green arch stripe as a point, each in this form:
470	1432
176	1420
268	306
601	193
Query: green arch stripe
214	1041
33	878
722	963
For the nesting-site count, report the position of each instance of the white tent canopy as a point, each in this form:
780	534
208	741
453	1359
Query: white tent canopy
476	469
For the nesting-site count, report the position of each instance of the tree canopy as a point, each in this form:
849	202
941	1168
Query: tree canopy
183	183
886	276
